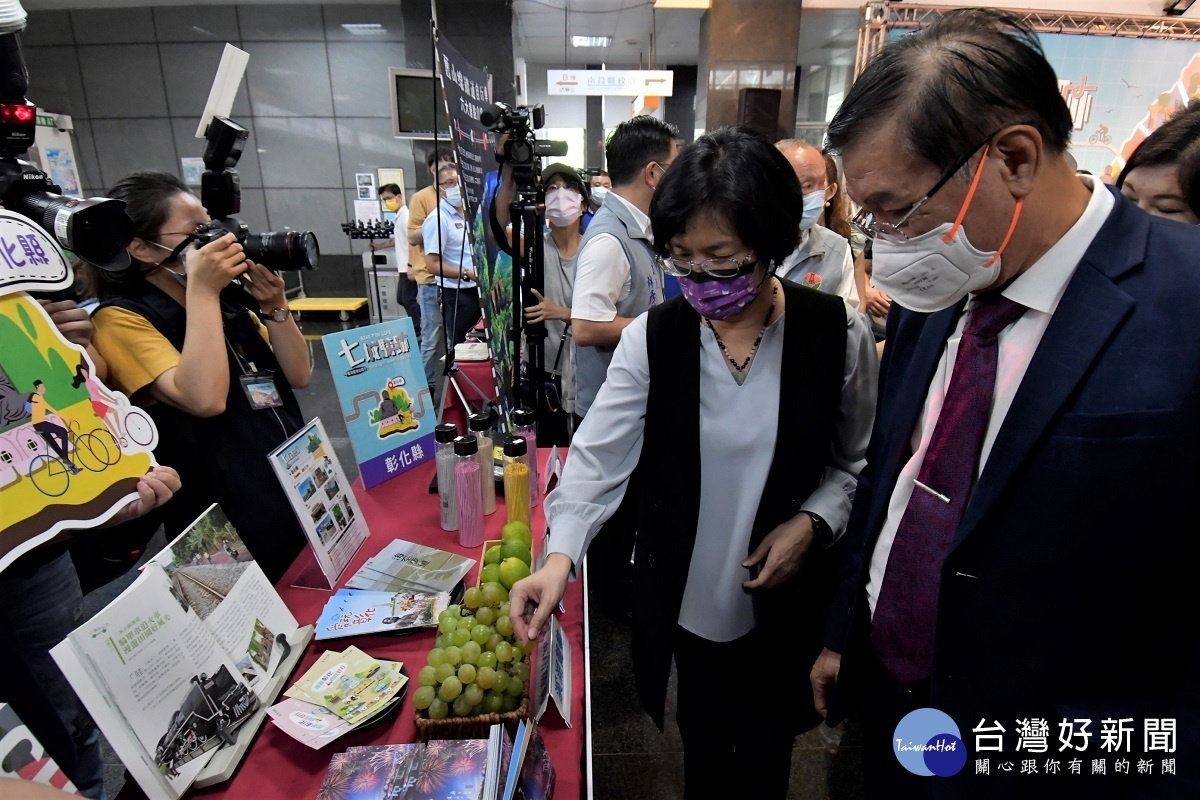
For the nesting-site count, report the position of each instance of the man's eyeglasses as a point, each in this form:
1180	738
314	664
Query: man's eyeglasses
719	268
448	184
871	227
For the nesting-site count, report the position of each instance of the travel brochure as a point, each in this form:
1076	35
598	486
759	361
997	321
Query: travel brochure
385	401
173	667
495	768
351	684
351	612
320	495
404	566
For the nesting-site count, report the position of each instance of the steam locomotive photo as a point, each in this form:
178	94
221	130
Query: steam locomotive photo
212	708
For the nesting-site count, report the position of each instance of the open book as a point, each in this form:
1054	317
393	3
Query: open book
173	667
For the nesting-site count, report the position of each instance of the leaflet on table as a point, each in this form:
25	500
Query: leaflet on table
530	774
403	564
315	725
553	672
22	756
213	573
385	399
445	769
158	683
351	612
317	487
351	684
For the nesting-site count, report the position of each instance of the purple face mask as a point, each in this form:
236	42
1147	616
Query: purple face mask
721	299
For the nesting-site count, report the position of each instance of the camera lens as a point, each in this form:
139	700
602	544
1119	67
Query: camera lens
283	250
96	229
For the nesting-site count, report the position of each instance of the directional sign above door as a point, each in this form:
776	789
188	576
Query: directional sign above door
622	82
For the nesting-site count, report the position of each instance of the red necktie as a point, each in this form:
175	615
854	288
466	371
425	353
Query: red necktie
902	628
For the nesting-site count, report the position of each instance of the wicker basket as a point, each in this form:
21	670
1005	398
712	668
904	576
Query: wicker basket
468	727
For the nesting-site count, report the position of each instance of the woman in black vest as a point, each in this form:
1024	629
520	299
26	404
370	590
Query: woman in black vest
185	331
747	435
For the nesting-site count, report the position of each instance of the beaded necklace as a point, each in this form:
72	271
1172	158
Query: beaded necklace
741	369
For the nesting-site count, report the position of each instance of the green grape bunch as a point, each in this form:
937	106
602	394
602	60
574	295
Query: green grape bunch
476	665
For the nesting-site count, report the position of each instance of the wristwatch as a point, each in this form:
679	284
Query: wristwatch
276	315
822	532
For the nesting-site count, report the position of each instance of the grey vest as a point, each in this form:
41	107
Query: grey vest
645	292
817	261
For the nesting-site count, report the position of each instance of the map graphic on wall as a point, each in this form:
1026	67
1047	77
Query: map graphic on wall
71	449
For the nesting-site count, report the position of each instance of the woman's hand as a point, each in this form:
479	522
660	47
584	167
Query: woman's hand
781	553
155	488
73	322
264	286
533	599
211	267
546	309
875	302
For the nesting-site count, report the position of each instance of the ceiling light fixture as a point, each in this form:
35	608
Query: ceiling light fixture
591	41
364	28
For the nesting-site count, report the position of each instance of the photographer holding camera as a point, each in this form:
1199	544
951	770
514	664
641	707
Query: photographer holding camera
184	341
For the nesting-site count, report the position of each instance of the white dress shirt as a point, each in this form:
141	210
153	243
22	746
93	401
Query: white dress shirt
603	274
738	425
1039	289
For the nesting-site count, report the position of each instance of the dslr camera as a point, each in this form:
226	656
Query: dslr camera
96	229
520	123
221	194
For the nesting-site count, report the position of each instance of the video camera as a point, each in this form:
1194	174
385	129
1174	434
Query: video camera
96	229
221	194
520	123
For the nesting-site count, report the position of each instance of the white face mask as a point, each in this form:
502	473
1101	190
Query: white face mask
179	257
454	197
563	206
598	195
935	270
814	202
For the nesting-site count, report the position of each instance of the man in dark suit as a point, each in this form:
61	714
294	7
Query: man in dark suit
1019	556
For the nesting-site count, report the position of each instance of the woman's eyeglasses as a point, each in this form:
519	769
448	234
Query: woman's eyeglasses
712	267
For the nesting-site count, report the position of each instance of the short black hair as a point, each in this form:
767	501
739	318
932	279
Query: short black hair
147	195
730	172
442	153
954	83
38	383
391	187
634	144
1175	143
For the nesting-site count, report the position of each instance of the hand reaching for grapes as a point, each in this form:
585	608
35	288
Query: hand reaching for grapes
781	553
533	599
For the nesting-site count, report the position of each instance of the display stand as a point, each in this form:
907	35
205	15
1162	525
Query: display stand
226	760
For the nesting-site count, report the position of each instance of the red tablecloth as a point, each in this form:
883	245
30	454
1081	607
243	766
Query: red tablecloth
280	768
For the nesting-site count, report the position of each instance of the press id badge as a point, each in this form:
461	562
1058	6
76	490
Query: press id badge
261	391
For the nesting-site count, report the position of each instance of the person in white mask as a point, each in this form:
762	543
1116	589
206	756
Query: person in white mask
822	259
1036	427
566	201
599	185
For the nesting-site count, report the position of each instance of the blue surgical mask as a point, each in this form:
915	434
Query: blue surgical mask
814	202
598	195
454	196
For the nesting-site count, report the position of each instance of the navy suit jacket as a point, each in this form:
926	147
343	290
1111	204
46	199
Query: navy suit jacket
1069	588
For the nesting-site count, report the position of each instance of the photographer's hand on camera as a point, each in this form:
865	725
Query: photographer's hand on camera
212	267
267	287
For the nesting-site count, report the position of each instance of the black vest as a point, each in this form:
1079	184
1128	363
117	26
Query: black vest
223	459
811	377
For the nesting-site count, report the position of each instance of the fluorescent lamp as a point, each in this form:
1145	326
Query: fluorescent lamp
591	41
683	4
364	28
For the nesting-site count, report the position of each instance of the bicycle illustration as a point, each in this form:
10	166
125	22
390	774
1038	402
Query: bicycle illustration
95	451
1100	136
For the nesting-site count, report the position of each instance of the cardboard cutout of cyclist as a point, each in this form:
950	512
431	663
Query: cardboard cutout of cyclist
71	449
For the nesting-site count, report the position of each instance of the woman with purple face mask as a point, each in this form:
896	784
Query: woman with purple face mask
746	405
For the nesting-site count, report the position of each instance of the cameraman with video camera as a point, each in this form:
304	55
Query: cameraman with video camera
182	330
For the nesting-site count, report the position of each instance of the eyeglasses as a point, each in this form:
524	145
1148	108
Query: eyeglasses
448	184
871	227
719	268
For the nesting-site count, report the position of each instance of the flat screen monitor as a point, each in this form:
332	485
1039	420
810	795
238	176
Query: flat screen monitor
414	95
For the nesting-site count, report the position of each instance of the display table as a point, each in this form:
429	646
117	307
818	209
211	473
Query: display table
280	768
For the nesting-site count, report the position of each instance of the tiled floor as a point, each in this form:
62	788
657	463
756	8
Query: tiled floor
631	760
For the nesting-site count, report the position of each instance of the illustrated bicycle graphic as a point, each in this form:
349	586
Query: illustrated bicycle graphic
94	450
1100	136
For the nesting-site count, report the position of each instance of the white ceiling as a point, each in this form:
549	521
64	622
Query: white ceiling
542	26
828	36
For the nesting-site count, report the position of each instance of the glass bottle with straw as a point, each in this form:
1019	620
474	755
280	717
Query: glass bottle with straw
466	487
444	435
516	479
480	426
